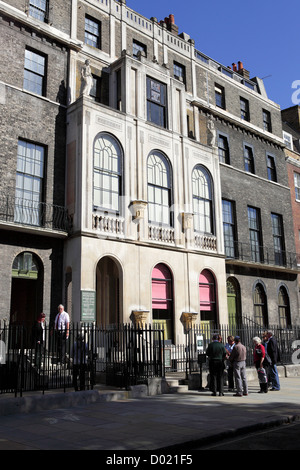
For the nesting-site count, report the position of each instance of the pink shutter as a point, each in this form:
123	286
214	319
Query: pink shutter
207	291
161	283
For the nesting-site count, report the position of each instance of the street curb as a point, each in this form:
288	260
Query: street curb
228	434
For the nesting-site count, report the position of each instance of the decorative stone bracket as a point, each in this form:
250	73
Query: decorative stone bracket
138	210
187	220
139	317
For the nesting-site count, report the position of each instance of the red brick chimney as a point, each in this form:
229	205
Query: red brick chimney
170	22
243	71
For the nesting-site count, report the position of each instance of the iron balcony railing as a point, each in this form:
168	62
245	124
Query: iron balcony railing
33	213
253	253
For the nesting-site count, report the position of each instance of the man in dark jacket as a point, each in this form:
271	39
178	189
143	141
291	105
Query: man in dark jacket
273	353
216	354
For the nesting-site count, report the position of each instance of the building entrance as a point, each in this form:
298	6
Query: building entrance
26	290
109	293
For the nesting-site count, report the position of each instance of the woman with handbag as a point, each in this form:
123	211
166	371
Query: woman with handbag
259	355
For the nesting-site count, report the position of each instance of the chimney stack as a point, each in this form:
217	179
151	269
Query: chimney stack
170	23
245	73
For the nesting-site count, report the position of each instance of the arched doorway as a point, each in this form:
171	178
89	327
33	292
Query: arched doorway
233	302
26	289
109	295
207	294
162	300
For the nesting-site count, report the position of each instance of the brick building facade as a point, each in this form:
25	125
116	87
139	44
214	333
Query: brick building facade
291	135
171	167
33	98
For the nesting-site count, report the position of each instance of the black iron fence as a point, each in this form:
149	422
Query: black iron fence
189	357
46	359
120	355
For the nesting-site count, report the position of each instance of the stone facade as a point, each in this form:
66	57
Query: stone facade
155	98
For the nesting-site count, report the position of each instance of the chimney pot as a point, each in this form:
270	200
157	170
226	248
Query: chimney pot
240	64
234	67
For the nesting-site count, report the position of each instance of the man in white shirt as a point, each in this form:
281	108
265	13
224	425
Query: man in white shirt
62	327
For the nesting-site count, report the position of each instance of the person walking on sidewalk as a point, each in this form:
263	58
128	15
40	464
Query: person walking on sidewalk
238	359
216	354
273	353
259	355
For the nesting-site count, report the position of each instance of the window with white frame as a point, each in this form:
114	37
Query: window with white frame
29	183
92	34
137	48
229	228
278	239
223	149
244	107
267	125
297	185
156	102
219	96
179	71
255	234
248	159
38	9
34	72
159	189
271	168
288	140
107	173
202	200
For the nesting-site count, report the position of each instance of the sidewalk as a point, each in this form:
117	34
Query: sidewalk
112	420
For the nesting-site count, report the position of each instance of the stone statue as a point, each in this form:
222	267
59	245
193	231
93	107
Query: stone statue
86	79
211	132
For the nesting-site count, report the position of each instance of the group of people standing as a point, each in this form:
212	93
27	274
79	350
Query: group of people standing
233	355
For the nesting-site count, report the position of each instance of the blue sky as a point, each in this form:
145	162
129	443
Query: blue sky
263	34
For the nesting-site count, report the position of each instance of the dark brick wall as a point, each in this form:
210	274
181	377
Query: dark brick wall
237	138
206	82
37	119
97	15
58	16
14	39
30	117
295	204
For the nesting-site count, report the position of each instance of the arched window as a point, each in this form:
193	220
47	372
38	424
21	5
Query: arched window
162	299
202	200
284	308
159	189
260	305
107	173
207	294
